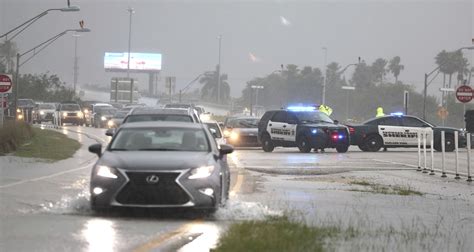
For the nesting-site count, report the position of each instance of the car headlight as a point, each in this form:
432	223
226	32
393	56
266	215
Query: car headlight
106	172
226	133
103	118
64	114
86	111
234	136
110	123
80	114
18	110
201	172
41	112
20	117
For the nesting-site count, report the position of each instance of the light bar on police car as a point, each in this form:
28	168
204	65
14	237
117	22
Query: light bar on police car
301	108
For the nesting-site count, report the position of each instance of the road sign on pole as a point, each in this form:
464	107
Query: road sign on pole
5	88
464	94
443	113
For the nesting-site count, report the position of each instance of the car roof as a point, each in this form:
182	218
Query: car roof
159	111
103	104
164	124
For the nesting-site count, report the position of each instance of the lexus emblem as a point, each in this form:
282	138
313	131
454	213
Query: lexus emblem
152	179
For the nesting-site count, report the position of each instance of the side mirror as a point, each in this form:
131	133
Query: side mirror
96	148
225	149
110	132
336	122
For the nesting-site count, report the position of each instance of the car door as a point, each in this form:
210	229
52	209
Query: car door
392	131
291	124
413	126
277	126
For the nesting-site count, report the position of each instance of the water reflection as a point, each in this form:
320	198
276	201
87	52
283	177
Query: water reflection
99	234
204	242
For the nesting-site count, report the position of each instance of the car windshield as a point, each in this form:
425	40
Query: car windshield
313	117
152	118
243	123
215	127
182	106
106	110
46	106
121	114
24	103
70	107
160	139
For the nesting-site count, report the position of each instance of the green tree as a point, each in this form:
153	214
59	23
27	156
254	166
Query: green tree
378	70
362	77
395	67
209	89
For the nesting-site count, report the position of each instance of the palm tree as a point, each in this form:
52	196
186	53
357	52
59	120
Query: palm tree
209	88
378	69
395	67
8	51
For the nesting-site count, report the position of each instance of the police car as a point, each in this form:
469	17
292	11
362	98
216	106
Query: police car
302	127
398	130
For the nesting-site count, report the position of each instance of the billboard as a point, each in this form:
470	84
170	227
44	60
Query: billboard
139	62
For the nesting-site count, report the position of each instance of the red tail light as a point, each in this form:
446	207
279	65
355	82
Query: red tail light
352	130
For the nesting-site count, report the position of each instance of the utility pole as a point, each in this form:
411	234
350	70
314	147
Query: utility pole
219	72
76	36
323	99
131	11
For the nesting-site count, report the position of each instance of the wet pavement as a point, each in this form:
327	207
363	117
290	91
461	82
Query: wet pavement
45	206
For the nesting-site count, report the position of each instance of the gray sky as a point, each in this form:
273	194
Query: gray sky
185	32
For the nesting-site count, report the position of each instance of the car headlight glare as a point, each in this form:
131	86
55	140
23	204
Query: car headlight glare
234	136
226	133
201	172
86	111
103	118
80	114
41	112
64	114
106	172
110	123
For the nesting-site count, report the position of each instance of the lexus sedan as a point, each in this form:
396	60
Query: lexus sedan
161	165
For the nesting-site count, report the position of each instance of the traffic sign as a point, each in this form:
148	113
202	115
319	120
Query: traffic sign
464	94
3	102
443	113
5	83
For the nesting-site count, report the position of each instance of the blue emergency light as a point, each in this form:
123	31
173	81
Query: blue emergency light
301	108
397	114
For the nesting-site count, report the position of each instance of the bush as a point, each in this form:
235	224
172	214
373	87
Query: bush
13	135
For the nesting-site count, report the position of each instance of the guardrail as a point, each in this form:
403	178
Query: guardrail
424	136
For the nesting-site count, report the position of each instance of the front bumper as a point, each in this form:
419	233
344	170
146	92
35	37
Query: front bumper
72	119
329	140
173	190
244	141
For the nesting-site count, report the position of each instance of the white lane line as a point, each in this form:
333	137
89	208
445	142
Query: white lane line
45	177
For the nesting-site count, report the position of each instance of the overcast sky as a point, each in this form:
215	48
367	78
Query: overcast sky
258	36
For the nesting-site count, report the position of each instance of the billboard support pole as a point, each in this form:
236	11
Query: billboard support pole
131	90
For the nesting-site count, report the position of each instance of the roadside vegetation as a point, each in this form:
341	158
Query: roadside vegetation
279	234
49	145
13	136
383	189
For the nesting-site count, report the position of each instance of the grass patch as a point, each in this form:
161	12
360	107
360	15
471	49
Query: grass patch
277	234
382	189
13	135
48	144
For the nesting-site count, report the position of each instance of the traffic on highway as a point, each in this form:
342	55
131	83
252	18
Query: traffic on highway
236	126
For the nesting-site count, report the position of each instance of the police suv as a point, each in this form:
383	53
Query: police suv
302	127
398	130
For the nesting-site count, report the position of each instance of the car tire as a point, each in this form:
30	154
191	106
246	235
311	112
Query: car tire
362	147
342	148
267	143
373	143
448	144
303	144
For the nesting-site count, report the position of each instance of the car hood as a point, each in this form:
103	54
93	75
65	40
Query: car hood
155	160
246	131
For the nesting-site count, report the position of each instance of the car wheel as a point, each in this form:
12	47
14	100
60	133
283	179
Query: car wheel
362	147
448	144
342	148
373	143
303	144
267	144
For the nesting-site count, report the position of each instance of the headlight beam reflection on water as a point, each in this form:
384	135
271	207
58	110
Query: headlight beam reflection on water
99	234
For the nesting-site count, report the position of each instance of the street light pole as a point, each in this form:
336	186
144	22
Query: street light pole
131	11
323	99
219	72
76	36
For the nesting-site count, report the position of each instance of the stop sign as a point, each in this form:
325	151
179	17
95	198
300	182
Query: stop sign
5	84
464	94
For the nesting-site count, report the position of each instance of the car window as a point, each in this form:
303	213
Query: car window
413	122
243	123
70	107
391	121
312	117
147	118
160	139
215	126
279	117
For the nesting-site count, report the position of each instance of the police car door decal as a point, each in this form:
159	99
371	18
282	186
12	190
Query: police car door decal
393	135
275	130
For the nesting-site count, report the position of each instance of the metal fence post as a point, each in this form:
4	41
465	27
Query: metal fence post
432	153
443	150
419	151
456	149
469	178
425	170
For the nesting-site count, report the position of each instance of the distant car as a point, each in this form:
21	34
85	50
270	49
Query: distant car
400	130
304	127
45	112
242	131
25	110
216	131
102	115
160	165
69	113
117	119
96	107
198	109
159	114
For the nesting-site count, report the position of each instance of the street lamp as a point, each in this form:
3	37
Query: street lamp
40	48
30	21
76	36
219	72
430	73
181	91
323	101
348	89
130	11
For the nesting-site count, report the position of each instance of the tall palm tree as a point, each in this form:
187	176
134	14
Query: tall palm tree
209	88
8	51
395	67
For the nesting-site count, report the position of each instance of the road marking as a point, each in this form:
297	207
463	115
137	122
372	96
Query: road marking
46	177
